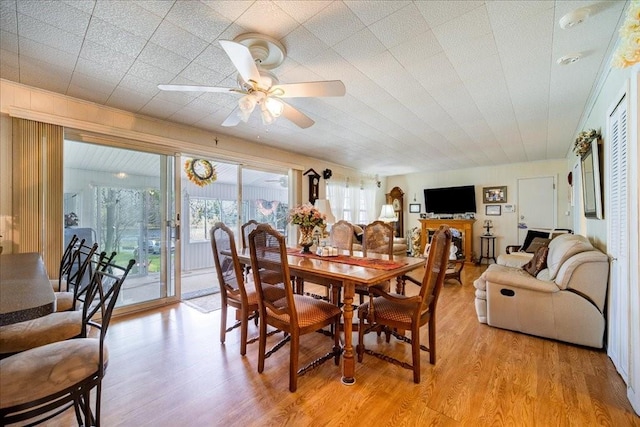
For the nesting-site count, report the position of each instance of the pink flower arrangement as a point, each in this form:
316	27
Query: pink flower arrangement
306	216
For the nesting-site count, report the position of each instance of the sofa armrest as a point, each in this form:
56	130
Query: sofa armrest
517	278
513	248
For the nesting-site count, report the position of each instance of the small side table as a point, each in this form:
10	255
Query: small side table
487	248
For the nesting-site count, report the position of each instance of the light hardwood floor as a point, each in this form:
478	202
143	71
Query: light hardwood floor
168	368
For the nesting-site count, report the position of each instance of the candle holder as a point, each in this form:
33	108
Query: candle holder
488	225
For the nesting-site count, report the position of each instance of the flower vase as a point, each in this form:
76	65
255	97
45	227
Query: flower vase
306	239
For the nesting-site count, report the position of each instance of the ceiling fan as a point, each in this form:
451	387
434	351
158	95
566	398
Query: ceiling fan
253	55
283	180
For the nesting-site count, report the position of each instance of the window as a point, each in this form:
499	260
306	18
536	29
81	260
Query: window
204	213
358	203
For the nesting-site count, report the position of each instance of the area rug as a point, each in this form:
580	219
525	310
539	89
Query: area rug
204	304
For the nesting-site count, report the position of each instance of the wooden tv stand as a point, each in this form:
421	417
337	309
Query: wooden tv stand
464	225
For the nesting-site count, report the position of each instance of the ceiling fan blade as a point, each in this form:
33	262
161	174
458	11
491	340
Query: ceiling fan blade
187	88
232	119
309	89
242	60
296	116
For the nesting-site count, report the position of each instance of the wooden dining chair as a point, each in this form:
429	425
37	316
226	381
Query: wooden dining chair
245	229
54	327
341	237
377	239
391	312
285	310
234	291
45	381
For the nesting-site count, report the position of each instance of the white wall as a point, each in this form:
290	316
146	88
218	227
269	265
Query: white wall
505	225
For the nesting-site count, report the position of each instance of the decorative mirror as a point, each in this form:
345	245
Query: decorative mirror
591	192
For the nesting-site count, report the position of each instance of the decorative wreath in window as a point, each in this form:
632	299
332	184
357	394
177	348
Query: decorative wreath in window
201	172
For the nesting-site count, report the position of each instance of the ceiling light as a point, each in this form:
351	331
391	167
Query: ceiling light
574	18
246	104
275	106
569	59
267	117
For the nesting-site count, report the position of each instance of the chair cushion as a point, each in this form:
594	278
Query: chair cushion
58	284
45	370
389	310
252	295
514	259
538	262
64	301
41	331
310	310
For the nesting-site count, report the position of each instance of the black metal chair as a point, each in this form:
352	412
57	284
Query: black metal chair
43	382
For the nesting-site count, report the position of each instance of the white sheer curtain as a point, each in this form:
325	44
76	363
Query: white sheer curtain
336	191
369	194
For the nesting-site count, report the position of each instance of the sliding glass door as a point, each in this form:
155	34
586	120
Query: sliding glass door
124	200
237	195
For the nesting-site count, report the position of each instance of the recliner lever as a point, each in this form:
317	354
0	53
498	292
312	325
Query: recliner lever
507	292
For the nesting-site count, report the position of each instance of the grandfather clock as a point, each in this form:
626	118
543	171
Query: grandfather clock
396	198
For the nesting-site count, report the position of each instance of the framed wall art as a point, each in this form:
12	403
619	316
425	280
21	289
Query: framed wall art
414	207
492	210
591	190
494	194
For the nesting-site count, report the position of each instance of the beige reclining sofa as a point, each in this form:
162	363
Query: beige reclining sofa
564	301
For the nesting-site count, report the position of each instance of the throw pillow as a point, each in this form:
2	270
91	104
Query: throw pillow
537	243
538	262
532	234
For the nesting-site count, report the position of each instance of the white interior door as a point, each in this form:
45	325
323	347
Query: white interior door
617	240
536	204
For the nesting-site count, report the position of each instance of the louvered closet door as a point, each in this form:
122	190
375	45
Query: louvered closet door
618	238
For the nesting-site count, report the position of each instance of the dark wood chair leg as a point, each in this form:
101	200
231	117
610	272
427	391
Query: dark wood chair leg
262	344
415	353
223	322
432	340
243	330
293	361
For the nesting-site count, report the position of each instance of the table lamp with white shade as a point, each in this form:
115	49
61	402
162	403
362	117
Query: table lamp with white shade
388	214
324	207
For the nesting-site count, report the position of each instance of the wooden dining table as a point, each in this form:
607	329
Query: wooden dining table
332	271
25	290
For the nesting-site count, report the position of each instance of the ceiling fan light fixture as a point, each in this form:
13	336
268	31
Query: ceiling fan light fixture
246	105
267	117
275	106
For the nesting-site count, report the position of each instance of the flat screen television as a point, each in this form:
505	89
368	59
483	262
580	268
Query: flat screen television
450	200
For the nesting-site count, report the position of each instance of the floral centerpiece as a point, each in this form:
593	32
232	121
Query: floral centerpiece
307	217
583	141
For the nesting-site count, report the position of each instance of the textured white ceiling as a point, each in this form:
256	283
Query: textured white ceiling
431	85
